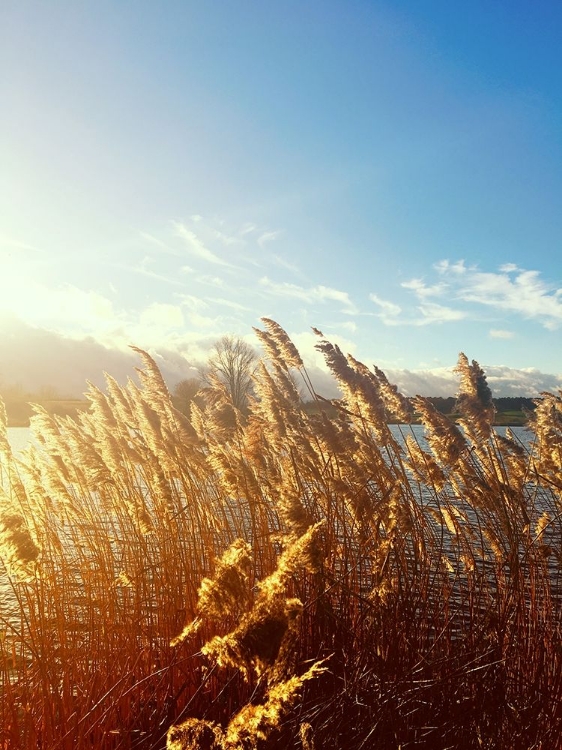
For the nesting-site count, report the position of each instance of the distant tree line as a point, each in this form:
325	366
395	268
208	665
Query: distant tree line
502	404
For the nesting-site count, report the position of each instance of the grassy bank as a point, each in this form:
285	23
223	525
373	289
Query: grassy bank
282	579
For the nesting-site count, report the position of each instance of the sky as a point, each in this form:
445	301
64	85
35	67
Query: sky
388	172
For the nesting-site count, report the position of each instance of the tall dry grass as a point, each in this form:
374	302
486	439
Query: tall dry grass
282	579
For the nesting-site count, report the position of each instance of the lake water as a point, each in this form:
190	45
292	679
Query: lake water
19	437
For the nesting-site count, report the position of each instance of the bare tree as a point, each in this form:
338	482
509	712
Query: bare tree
232	364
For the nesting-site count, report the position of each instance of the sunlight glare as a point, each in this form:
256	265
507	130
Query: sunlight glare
18	290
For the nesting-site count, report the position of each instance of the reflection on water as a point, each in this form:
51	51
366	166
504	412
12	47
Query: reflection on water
19	438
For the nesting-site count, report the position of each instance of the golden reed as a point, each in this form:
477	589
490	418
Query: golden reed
300	575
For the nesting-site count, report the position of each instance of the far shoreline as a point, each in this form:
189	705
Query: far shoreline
501	419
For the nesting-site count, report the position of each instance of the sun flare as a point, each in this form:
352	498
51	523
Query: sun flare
18	289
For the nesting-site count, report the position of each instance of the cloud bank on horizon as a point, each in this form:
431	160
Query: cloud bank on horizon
381	173
36	360
215	282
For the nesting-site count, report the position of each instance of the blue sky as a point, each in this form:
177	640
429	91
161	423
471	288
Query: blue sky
389	172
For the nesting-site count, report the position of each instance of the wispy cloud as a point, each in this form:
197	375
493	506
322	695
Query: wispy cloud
511	289
156	242
196	246
422	290
191	301
348	325
445	266
229	303
498	333
8	242
433	313
389	310
248	228
515	290
310	295
287	265
266	237
227	239
215	281
163	316
144	269
461	289
427	313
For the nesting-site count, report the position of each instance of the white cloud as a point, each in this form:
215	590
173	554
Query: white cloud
310	295
16	245
439	381
389	308
191	301
507	381
306	341
214	281
229	303
162	315
422	290
503	381
434	313
155	242
517	291
498	333
428	313
348	325
266	237
444	266
202	322
196	246
434	381
287	265
509	291
143	268
227	239
389	311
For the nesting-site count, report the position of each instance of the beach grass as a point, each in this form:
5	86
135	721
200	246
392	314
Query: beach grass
285	577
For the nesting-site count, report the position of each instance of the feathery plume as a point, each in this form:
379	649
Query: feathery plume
288	350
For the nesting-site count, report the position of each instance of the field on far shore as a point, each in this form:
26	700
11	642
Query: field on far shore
19	412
